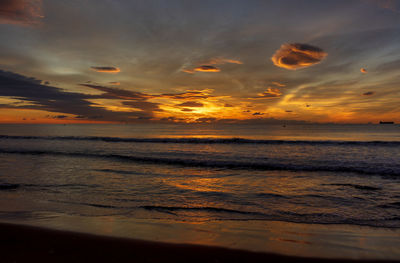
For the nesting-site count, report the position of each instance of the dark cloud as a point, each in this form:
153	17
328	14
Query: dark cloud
369	93
258	113
288	111
143	105
21	12
60	117
114	93
191	104
393	5
106	69
228	105
186	109
295	56
172	119
52	99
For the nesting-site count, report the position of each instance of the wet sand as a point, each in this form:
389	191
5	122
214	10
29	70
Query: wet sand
20	243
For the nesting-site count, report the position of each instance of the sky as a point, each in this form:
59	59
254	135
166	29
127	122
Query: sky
213	61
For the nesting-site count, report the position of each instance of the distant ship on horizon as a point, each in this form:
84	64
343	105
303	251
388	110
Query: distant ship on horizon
386	122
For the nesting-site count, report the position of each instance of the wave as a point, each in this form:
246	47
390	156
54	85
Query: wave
228	164
203	140
206	209
233	214
359	187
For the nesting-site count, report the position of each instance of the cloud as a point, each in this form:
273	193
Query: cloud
295	56
60	117
186	109
221	61
228	105
369	93
288	111
203	68
270	93
114	93
143	105
207	68
47	98
363	70
106	69
206	120
258	113
189	71
115	83
393	5
20	12
189	94
278	84
191	104
209	65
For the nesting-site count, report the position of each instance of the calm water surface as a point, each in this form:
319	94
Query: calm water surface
341	174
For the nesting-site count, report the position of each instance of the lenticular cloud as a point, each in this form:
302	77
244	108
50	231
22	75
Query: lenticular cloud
294	56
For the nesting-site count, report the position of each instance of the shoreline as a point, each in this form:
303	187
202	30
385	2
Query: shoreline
265	237
23	243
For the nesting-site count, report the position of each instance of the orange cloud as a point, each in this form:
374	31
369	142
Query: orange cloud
207	68
363	70
276	83
20	12
295	56
270	93
106	69
190	71
221	61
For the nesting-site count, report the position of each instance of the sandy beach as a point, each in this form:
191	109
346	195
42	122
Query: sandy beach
21	243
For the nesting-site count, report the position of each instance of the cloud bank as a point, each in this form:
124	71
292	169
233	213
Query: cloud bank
294	56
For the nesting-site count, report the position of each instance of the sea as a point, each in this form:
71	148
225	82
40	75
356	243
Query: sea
311	174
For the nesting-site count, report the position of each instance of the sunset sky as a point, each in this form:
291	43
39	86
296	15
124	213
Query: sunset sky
199	61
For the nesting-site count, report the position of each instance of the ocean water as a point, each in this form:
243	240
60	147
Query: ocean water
310	174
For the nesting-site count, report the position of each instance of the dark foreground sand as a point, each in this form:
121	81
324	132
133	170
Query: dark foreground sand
20	243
